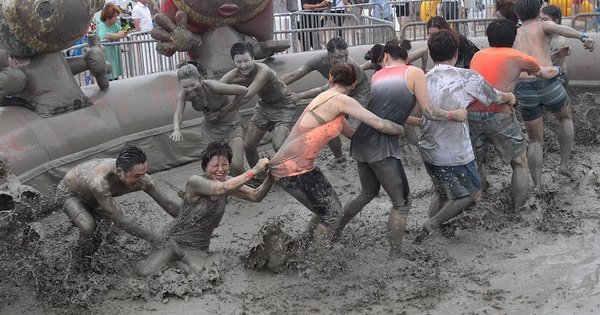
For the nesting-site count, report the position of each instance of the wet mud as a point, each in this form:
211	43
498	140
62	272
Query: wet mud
492	259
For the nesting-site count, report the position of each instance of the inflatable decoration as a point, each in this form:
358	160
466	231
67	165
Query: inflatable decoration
185	24
37	76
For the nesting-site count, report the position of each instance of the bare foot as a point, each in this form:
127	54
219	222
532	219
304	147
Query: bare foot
566	171
425	234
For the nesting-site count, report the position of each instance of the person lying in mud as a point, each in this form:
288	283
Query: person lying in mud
87	193
203	207
222	120
273	112
323	119
445	145
395	90
337	51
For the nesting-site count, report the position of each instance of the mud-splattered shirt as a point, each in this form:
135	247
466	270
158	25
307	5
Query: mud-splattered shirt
390	99
360	93
194	225
447	142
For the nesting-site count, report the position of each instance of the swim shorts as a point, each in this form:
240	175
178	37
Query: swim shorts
454	181
267	116
535	94
499	129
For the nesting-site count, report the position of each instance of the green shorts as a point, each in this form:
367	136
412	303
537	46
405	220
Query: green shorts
499	129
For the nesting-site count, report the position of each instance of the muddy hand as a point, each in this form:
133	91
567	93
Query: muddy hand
176	135
589	44
261	165
213	116
174	36
12	80
459	115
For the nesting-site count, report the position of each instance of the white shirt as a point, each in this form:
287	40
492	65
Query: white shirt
447	142
142	12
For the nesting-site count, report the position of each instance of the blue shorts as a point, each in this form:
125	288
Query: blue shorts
454	181
534	94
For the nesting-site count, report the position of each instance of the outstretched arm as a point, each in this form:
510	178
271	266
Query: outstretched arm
229	89
312	93
565	31
108	204
548	72
295	75
200	186
349	106
421	53
170	206
257	194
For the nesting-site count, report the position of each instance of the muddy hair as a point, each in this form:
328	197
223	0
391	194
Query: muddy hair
442	45
213	149
343	73
507	9
109	10
553	12
527	9
397	49
501	33
188	71
336	43
129	157
241	48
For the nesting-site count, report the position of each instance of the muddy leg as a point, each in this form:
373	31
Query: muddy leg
519	182
351	209
237	161
280	133
450	210
396	227
535	155
253	136
566	137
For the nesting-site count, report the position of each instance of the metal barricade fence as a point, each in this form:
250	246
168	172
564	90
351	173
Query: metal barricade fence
132	56
587	18
469	27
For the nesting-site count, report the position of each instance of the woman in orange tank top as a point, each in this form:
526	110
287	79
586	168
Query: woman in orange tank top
323	119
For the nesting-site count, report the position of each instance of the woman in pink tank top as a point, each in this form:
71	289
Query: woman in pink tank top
323	119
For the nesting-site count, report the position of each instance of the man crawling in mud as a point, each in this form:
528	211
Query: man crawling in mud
202	210
87	194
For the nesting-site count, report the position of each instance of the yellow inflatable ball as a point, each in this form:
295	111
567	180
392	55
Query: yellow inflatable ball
428	9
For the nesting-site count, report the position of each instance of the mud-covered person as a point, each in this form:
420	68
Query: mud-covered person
273	112
293	167
395	91
87	194
337	52
445	144
222	120
203	207
537	94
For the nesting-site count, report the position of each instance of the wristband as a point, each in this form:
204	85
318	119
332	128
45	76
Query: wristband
450	115
249	174
560	72
582	36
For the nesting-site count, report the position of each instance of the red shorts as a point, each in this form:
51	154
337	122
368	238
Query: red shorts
576	1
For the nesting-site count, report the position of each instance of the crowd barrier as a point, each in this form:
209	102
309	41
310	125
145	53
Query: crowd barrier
359	24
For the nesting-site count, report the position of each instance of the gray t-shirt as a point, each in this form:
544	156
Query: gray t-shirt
447	142
360	93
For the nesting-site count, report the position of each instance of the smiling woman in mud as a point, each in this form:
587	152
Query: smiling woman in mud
202	210
323	119
222	120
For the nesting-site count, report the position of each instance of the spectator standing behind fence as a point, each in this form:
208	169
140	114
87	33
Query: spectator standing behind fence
402	11
338	7
449	10
142	18
310	39
110	29
387	12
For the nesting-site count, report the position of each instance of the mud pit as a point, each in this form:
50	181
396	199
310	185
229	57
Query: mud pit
491	260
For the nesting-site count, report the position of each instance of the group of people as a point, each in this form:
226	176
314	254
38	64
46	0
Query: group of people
461	112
